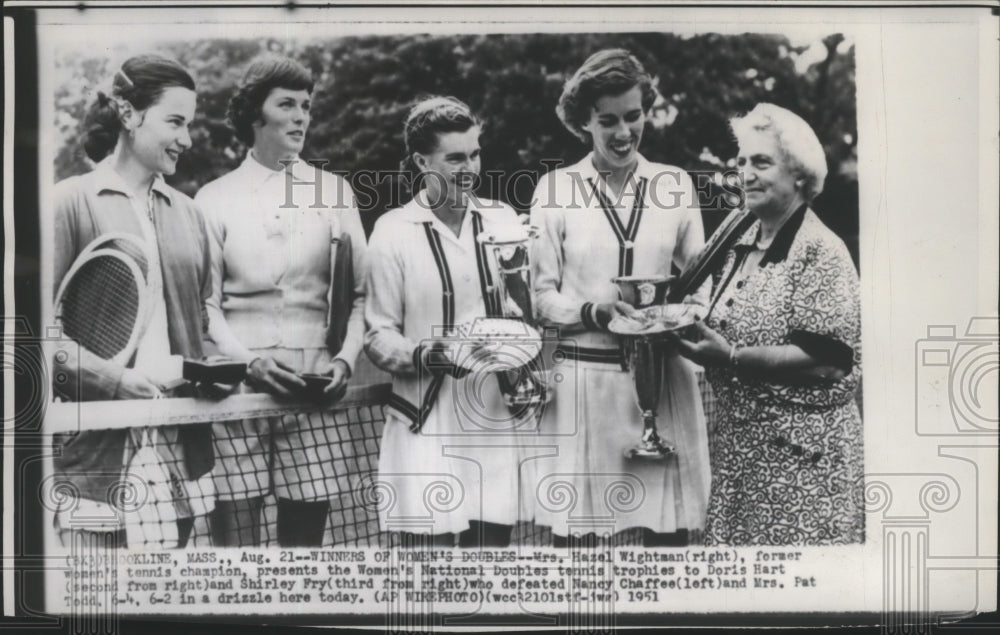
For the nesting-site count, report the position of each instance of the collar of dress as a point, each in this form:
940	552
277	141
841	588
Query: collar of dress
585	168
419	211
259	173
107	179
782	243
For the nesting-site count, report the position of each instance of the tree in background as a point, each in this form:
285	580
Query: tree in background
366	84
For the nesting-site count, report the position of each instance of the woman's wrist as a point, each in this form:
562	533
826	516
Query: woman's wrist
432	358
344	364
600	315
588	316
737	361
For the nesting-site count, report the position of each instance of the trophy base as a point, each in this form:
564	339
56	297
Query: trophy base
654	451
524	400
526	391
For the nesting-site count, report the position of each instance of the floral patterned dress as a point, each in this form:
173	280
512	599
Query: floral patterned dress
787	460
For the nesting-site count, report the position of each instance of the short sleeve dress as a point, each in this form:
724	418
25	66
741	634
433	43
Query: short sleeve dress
787	461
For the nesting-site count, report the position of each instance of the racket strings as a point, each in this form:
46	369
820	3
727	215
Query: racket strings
101	306
133	250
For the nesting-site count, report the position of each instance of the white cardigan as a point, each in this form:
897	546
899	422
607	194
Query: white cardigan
271	261
579	250
421	279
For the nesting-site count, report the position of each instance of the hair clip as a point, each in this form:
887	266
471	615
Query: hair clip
121	72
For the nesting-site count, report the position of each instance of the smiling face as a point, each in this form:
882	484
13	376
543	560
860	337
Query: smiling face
768	179
284	119
615	127
453	167
160	133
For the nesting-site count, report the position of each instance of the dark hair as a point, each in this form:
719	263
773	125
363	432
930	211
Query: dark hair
140	81
262	76
430	117
607	72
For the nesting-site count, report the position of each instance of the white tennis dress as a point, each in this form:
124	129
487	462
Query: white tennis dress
450	448
593	419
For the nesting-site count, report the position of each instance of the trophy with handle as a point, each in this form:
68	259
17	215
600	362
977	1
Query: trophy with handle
643	352
507	256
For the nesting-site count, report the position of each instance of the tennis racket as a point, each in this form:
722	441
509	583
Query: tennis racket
712	254
105	300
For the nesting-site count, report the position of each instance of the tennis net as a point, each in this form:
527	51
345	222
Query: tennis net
153	505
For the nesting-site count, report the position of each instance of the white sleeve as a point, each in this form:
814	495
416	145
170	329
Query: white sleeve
218	329
547	261
384	341
351	224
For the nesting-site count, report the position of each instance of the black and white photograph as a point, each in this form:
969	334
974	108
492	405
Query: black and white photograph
578	317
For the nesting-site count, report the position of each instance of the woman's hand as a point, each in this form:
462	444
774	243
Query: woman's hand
477	355
608	311
708	348
135	385
269	375
784	364
441	357
340	373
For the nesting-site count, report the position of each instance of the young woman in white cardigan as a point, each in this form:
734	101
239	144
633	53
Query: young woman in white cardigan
271	263
449	452
614	214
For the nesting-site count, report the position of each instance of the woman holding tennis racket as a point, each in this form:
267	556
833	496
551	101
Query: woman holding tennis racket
614	214
274	263
132	272
426	280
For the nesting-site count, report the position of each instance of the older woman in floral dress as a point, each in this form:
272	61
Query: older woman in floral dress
781	347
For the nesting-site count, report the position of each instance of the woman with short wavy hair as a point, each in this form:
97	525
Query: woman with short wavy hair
612	214
273	270
448	467
781	347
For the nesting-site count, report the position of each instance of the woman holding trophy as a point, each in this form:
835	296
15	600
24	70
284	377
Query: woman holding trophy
615	215
427	282
781	347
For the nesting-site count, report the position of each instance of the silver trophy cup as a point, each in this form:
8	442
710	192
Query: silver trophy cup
507	252
643	355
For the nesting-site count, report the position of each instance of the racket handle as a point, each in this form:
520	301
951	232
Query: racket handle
172	386
223	371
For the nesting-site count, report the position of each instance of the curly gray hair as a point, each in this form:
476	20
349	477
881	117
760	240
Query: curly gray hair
796	140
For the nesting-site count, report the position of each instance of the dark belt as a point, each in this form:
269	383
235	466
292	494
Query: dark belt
596	355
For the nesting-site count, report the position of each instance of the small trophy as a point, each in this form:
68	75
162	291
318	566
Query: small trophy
507	258
643	354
